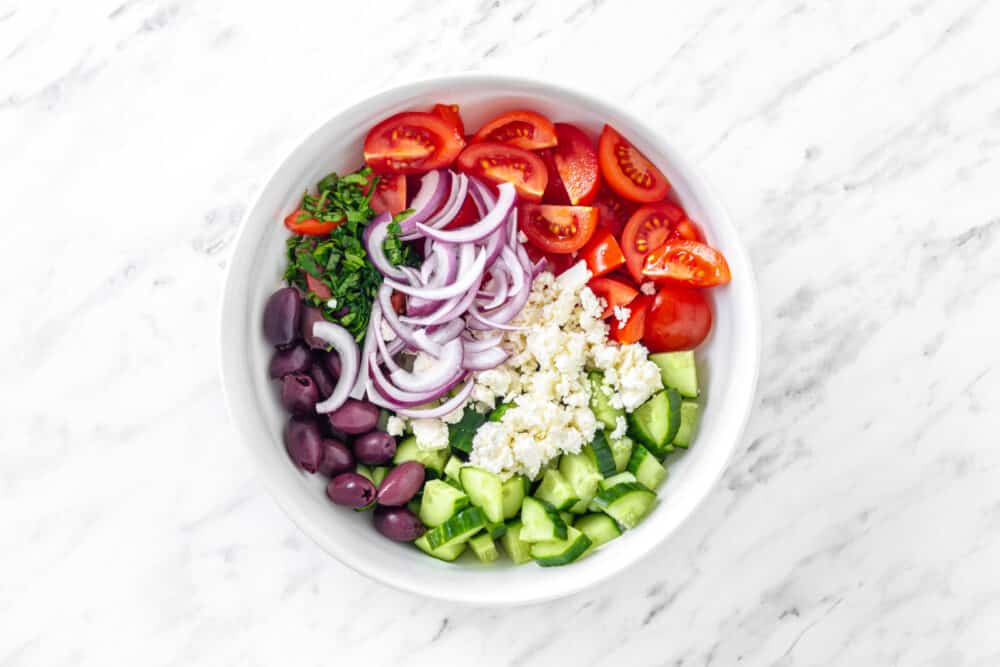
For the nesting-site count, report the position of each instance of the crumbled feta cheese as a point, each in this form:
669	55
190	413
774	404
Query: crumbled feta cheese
331	304
648	288
430	433
622	313
387	333
621	426
522	237
395	426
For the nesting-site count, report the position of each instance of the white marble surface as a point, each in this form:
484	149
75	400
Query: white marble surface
857	146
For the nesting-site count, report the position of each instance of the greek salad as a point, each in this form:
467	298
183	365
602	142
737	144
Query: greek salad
488	340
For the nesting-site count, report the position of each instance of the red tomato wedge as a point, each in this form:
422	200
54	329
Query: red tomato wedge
557	229
690	262
613	211
450	114
302	222
648	228
555	191
615	292
556	263
679	319
688	230
576	164
412	142
627	171
633	328
317	286
523	129
390	194
496	163
466	215
602	253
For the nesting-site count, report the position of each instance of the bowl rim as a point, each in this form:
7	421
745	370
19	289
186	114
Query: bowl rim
750	308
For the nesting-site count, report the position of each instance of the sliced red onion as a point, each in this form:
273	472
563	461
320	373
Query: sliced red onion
512	228
371	336
395	395
346	348
498	287
446	332
449	406
433	187
426	344
411	274
494	245
448	363
539	267
481	196
473	345
404	332
383	349
480	230
485	360
373	237
460	187
516	270
478	320
446	265
470	272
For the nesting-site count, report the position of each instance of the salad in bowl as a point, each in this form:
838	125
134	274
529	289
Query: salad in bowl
486	337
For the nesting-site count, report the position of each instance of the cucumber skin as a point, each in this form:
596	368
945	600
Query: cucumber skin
600	528
609	500
576	544
600	404
603	457
621	449
512	494
551	515
447	553
689	422
433	460
517	549
678	370
483	486
639	430
648	471
459	501
552	483
465	524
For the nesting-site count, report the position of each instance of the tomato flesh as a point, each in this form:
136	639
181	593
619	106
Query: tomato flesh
627	171
689	262
679	319
557	229
302	222
555	191
556	263
498	163
466	215
613	211
390	194
412	142
614	292
523	129
631	331
576	163
602	253
648	228
449	113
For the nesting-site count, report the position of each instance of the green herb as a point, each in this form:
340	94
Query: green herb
460	434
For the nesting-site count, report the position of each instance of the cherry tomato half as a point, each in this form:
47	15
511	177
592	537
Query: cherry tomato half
555	191
648	228
614	292
497	163
689	262
576	163
627	171
412	142
631	331
302	222
613	211
557	263
523	129
557	229
390	194
679	319
450	114
602	253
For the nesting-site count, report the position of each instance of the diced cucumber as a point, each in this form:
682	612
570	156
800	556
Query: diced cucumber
627	503
441	501
582	474
622	451
655	422
382	423
447	553
513	492
517	549
452	469
620	478
540	521
689	421
458	528
484	490
678	370
378	474
647	470
484	548
561	552
600	403
496	530
567	518
556	490
498	412
601	452
433	459
414	505
600	528
365	472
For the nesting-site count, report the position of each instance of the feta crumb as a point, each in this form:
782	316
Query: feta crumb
522	237
430	433
648	288
621	426
387	333
622	313
331	304
395	426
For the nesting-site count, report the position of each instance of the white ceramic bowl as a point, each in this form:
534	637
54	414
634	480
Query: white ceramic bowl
728	361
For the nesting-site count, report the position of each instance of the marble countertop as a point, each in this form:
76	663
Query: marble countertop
856	144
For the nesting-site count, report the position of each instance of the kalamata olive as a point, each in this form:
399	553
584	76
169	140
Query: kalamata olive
303	442
318	371
374	448
398	523
401	484
299	394
332	360
311	315
336	459
281	316
354	417
350	489
295	359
